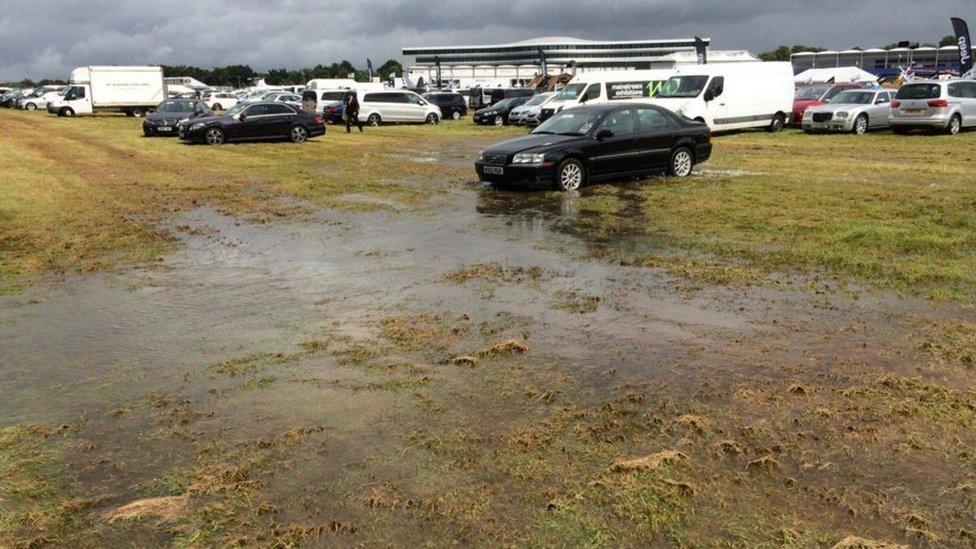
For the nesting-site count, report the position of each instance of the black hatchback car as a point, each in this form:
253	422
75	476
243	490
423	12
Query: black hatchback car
497	113
452	104
598	143
254	122
169	113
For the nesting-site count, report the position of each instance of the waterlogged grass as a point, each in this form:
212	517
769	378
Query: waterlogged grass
894	211
84	194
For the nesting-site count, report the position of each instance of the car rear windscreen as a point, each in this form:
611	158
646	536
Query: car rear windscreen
919	91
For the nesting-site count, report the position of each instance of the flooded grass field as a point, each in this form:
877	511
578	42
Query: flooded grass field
353	342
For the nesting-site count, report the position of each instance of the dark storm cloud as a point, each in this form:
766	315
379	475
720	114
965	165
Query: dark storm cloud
46	38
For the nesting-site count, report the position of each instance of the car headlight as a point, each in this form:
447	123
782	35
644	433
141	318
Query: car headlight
481	157
807	114
197	126
841	114
528	158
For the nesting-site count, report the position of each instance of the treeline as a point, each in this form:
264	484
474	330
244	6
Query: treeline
784	52
239	76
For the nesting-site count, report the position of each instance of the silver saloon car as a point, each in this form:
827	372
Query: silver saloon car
854	111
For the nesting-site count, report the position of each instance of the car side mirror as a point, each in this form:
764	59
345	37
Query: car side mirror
241	117
604	134
709	95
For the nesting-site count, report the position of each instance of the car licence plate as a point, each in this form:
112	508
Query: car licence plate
820	125
165	128
911	111
494	170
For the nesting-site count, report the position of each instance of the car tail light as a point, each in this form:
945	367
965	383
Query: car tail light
319	120
895	104
939	103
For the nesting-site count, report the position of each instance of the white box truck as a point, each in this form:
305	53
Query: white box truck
130	90
731	96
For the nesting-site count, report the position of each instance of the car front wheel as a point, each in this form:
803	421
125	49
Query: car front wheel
456	116
298	134
861	125
499	121
215	136
217	107
571	175
681	163
431	118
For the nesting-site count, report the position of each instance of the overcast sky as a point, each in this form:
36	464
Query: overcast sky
46	38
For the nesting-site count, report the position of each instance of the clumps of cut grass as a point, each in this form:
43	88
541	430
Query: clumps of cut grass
601	204
504	348
252	363
575	302
652	461
493	272
954	341
856	542
423	332
704	271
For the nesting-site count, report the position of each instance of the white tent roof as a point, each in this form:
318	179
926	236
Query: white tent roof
835	74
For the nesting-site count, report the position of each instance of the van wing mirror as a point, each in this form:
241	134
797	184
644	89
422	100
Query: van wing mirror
709	95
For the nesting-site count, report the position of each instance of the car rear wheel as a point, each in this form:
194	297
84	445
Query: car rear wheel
456	116
861	125
681	163
499	121
215	136
137	113
572	175
373	120
779	121
217	107
31	107
431	118
955	125
298	134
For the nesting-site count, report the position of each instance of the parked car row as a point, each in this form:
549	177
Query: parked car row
935	105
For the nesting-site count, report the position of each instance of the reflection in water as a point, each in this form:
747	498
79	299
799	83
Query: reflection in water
607	220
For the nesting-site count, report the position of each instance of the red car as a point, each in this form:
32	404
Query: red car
813	95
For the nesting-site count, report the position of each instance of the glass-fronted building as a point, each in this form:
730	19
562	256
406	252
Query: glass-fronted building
880	61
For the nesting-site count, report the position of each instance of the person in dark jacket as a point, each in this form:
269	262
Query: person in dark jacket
351	108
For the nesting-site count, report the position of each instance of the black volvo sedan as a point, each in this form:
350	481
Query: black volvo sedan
599	142
253	122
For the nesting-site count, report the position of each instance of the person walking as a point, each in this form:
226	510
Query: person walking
351	111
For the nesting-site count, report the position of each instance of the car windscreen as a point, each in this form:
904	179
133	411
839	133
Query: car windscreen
176	106
570	92
683	86
919	91
537	100
571	122
854	98
810	93
236	109
503	104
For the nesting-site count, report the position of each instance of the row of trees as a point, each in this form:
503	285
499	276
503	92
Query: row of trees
784	52
240	75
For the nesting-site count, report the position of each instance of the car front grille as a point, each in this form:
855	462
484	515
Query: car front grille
495	159
822	116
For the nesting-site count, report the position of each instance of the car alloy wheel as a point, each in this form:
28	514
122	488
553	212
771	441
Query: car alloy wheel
499	121
571	175
31	107
955	125
215	136
431	118
373	120
456	116
299	134
861	125
681	163
217	107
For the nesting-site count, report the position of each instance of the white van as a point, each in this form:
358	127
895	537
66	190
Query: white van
595	87
732	96
391	106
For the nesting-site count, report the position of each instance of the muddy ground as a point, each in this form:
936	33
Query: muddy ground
490	367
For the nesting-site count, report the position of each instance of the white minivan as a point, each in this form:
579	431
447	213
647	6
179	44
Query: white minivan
595	87
732	96
394	106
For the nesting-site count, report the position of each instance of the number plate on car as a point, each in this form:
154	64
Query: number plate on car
912	111
494	170
165	129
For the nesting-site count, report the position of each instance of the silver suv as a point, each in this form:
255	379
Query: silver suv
947	105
